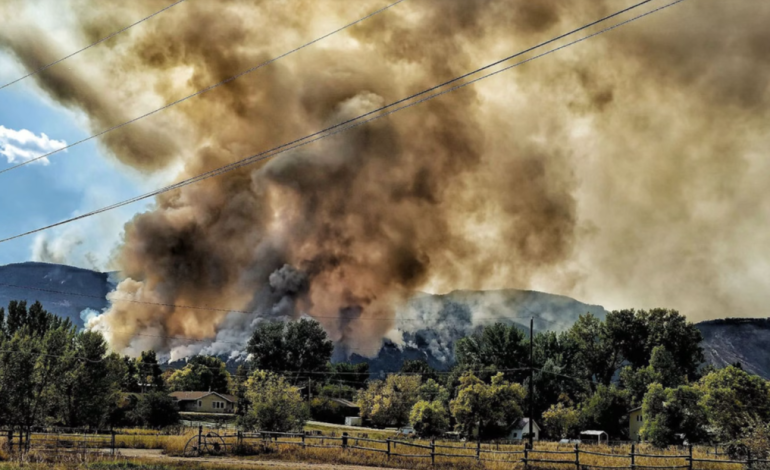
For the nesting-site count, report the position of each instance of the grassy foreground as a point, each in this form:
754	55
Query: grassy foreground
133	464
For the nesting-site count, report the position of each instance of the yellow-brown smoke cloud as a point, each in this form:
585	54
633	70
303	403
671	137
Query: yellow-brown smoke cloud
628	170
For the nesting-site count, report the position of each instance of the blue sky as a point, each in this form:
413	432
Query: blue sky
73	182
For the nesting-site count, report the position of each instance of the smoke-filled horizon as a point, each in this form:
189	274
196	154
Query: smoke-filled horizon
627	170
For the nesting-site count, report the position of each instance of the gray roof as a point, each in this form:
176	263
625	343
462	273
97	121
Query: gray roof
522	423
191	396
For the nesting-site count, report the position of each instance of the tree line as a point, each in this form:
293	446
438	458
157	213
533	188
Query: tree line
587	377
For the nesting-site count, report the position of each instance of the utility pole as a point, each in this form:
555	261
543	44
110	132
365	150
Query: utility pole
531	383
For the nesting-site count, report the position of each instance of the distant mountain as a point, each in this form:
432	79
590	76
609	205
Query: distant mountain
425	328
744	340
428	325
48	280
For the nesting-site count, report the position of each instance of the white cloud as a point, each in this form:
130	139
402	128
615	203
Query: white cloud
21	146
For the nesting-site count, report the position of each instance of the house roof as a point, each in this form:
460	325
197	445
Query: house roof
190	396
522	423
593	433
635	409
344	402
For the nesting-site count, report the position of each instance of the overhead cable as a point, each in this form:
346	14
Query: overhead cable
44	67
199	92
333	130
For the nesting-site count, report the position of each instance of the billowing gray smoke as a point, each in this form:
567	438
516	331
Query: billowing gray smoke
629	169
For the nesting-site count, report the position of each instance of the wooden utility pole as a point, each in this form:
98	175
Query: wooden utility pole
531	383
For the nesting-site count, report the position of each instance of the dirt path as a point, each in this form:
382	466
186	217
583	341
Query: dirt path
158	455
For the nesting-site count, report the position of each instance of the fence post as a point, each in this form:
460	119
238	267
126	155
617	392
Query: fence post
303	441
526	456
200	437
689	460
433	452
577	457
344	440
633	459
10	441
388	441
112	435
748	459
478	449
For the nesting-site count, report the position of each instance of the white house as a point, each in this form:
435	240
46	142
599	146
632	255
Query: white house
521	429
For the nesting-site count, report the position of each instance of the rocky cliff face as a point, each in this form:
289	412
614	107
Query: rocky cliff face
744	340
428	325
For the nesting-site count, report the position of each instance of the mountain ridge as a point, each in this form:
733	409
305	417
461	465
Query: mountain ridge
426	327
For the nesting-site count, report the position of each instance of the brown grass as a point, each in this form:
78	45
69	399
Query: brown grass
493	456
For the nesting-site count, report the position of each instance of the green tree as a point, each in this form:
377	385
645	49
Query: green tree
130	380
671	411
37	353
559	420
733	400
354	374
550	384
499	346
431	391
299	346
92	384
662	369
241	378
429	419
682	339
419	367
596	358
274	404
490	408
389	402
201	373
155	409
606	410
149	373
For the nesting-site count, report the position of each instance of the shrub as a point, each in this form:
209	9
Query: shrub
429	419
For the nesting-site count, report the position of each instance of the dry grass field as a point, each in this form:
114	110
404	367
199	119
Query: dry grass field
367	449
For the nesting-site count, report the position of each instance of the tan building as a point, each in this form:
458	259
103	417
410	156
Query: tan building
205	402
635	422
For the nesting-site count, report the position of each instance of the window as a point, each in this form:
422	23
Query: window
218	405
200	404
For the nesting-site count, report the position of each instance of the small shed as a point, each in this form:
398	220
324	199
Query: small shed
353	421
521	430
594	437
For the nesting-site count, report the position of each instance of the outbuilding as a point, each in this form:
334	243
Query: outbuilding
521	429
594	437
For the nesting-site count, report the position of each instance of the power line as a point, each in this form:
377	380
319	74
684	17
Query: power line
203	90
37	71
326	132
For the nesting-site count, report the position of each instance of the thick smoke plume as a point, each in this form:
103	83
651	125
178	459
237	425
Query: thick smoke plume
628	170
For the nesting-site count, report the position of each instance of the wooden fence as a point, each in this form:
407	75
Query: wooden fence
529	458
575	457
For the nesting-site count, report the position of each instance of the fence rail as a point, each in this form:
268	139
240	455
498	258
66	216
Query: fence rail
109	442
